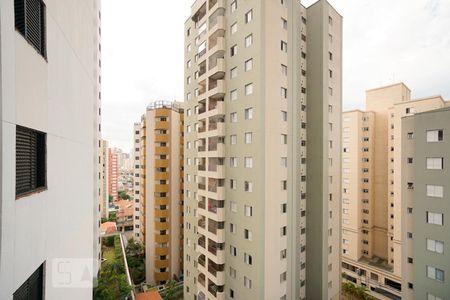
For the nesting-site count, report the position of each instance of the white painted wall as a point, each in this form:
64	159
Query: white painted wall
59	97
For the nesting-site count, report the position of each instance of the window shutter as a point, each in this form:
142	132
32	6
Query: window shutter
32	288
19	11
25	160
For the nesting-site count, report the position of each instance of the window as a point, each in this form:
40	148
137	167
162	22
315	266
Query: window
234	28
435	191
410	135
233	117
283	277
33	287
248	113
233	251
247	234
247	282
233	206
233	184
248	65
248	137
233	73
435	246
233	162
249	16
233	6
283	23
435	218
435	163
283	46
435	273
248	40
248	259
283	93
188	64
283	231
233	50
233	95
248	210
410	110
330	55
284	139
233	139
283	208
435	136
284	162
248	162
249	89
284	70
433	297
232	272
284	116
31	165
30	22
248	186
283	254
284	185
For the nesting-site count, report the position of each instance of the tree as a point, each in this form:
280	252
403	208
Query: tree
110	198
170	290
123	195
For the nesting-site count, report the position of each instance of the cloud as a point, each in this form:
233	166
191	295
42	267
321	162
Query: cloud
385	41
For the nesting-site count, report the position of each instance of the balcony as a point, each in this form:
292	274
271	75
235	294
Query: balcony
202	242
217	271
198	10
217	89
162	276
217	45
217	68
215	290
162	125
201	279
217	24
216	4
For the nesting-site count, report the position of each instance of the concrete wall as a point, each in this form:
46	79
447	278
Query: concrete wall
58	96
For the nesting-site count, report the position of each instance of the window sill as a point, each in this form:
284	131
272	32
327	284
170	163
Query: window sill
27	194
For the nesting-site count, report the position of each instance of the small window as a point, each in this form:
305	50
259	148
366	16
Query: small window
249	65
284	70
234	28
435	163
33	287
435	218
233	6
249	16
248	113
31	166
283	23
248	40
249	89
435	136
233	50
283	46
30	22
248	137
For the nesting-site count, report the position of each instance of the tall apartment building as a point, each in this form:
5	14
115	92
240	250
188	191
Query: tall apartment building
372	235
113	175
104	179
159	186
262	150
49	145
425	183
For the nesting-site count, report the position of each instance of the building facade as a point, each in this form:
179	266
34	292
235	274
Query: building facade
104	179
372	235
262	150
113	175
425	209
159	183
49	145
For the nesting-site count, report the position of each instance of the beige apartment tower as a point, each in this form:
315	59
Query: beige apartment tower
262	150
372	236
158	190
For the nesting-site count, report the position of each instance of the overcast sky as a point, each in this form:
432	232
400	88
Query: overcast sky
385	41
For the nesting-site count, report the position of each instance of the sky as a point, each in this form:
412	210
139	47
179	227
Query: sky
385	41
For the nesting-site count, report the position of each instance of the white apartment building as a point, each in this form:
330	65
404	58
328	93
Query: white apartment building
49	145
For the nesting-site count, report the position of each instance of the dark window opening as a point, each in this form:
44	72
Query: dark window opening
30	22
31	173
33	287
